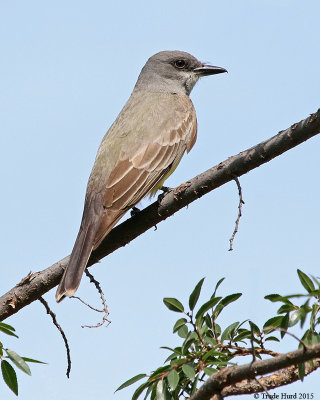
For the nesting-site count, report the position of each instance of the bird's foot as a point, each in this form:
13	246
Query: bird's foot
165	190
134	211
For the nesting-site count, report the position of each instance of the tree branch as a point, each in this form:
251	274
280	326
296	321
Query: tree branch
240	379
35	285
281	378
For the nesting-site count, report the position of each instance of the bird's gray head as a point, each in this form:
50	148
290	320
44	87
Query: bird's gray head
173	72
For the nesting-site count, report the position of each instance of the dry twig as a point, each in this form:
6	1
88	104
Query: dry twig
241	202
55	322
104	303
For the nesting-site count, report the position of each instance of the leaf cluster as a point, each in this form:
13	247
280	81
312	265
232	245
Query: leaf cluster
10	359
207	348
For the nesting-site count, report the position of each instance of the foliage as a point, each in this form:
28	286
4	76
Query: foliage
8	372
207	347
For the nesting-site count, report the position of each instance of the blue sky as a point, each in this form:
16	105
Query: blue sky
66	70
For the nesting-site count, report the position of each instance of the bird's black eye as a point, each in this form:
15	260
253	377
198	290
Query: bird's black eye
180	64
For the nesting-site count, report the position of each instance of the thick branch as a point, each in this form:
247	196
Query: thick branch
223	382
35	285
279	379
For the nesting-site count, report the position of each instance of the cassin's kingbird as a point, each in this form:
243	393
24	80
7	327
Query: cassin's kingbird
141	149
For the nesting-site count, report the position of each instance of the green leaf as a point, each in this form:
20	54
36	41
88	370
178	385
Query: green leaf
7	326
228	332
273	338
306	338
172	358
274	298
225	301
194	385
176	350
218	329
209	371
209	340
9	376
305	309
204	329
178	324
285	308
245	334
187	345
315	281
254	327
212	353
284	325
139	390
18	361
315	338
131	381
295	317
150	389
315	309
154	391
272	324
302	371
167	348
217	285
32	360
188	371
194	296
7	331
173	379
306	281
208	321
160	391
173	304
183	331
206	306
159	372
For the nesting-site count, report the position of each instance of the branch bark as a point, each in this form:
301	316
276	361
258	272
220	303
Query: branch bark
35	285
240	379
279	379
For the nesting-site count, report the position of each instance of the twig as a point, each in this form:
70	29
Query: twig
104	303
292	335
253	360
86	304
244	351
195	329
241	202
55	322
252	347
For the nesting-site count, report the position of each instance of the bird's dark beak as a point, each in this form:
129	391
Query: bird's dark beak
208	69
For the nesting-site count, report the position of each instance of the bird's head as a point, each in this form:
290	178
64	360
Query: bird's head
174	71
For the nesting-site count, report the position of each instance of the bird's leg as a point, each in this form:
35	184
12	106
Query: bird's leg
134	211
165	190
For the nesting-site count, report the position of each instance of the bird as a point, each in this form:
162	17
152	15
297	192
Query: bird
141	149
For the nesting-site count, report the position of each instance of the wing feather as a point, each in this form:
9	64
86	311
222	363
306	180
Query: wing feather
133	177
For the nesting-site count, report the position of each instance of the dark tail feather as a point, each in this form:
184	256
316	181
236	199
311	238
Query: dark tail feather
78	261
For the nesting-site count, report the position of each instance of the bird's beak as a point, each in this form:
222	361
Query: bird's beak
208	69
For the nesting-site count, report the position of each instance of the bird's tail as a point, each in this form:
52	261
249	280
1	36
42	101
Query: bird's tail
78	261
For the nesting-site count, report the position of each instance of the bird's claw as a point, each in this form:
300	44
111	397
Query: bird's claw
165	190
134	211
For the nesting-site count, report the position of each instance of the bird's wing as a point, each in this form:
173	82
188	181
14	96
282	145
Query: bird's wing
137	173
